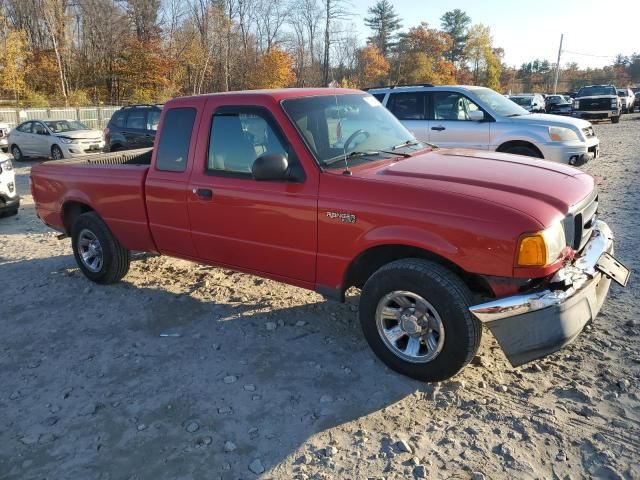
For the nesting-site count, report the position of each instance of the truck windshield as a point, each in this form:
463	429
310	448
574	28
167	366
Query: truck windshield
59	126
502	106
596	90
334	126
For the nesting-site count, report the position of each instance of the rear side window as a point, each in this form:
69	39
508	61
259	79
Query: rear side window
136	119
153	118
25	127
173	149
117	120
408	105
378	96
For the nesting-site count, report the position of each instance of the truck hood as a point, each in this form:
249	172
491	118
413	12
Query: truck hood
81	134
543	190
544	119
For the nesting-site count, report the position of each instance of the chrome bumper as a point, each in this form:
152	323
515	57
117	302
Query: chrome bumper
532	325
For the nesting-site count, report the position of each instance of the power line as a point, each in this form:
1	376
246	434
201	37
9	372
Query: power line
589	54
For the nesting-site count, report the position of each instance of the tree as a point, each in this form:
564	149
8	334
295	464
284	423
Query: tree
455	23
333	10
486	65
14	63
372	66
275	70
384	22
420	56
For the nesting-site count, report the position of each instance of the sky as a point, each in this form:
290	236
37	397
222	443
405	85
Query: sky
594	31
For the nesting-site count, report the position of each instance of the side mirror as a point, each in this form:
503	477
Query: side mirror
476	116
270	166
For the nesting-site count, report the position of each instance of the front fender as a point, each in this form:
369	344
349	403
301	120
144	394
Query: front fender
410	237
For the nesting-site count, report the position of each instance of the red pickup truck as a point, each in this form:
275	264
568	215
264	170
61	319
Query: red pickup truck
325	189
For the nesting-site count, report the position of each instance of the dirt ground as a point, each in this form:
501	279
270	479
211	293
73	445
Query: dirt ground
190	372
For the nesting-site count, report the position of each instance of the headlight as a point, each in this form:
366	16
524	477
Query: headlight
560	134
541	248
614	102
68	140
6	165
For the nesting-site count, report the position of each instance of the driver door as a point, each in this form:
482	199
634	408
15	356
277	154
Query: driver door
450	126
40	140
260	226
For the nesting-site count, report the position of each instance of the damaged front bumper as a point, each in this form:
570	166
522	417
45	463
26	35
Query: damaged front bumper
532	325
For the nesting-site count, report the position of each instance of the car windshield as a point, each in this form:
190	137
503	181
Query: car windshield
498	103
596	90
622	93
554	99
522	101
60	126
335	126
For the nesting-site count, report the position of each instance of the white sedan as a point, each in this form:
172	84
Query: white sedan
57	139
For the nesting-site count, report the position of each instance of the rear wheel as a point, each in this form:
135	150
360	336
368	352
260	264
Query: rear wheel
56	153
98	253
415	316
17	153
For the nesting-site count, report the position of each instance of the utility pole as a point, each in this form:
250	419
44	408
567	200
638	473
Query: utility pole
555	83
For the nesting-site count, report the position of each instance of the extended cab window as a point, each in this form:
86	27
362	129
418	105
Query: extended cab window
408	105
237	139
173	149
452	106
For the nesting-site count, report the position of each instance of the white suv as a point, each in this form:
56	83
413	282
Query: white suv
480	118
9	198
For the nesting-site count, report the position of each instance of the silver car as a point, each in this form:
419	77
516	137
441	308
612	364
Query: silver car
480	118
57	139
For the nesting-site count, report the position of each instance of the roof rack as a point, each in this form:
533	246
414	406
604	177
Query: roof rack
400	86
150	105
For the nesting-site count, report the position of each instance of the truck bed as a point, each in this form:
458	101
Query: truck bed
112	184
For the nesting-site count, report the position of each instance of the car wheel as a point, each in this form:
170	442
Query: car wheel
98	253
17	153
56	153
523	150
415	316
615	119
632	109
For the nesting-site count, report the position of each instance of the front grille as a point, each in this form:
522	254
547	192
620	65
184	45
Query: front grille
579	222
588	132
595	104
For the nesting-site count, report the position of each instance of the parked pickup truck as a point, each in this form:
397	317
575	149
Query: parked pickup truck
325	189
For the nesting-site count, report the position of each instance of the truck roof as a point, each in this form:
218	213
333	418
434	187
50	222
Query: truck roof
277	94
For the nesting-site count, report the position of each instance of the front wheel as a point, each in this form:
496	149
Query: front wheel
415	316
56	153
523	150
98	253
615	119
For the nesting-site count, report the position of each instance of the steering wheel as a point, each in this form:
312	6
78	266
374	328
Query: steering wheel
353	136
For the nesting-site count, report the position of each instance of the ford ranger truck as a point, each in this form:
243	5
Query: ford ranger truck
325	190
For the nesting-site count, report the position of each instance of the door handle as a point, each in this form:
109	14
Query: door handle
439	128
203	193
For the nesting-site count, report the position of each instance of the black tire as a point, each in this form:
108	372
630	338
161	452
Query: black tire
632	109
115	258
56	153
615	119
17	153
446	293
523	150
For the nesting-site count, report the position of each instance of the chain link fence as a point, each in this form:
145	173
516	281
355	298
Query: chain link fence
93	117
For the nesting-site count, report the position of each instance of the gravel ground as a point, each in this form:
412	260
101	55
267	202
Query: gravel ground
190	372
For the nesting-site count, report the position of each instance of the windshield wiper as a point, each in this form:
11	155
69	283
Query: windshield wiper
411	143
367	153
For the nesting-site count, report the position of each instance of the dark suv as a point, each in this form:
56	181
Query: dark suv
131	127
